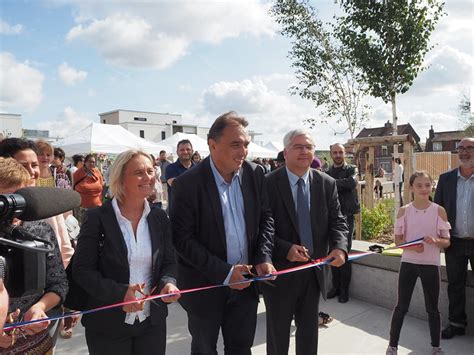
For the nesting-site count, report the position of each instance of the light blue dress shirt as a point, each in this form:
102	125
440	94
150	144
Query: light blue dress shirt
232	203
464	227
294	187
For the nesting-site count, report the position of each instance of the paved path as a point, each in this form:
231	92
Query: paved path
358	328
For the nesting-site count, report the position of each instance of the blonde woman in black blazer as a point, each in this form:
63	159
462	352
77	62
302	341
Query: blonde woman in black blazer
124	251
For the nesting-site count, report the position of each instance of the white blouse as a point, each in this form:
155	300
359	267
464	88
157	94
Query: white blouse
139	256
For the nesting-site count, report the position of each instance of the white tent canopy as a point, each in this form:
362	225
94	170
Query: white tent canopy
275	146
106	138
200	145
257	151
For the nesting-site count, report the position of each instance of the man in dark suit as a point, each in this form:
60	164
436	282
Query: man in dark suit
346	182
222	226
308	224
455	192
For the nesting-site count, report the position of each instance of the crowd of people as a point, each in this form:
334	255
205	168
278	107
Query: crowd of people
151	226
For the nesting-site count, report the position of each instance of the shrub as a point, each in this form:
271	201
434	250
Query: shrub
377	220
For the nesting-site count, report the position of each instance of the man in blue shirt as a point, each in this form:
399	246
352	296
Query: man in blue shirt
184	150
222	232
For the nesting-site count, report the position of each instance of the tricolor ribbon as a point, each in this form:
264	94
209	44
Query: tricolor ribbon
312	264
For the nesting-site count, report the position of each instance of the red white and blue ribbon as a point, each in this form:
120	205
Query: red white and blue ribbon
312	264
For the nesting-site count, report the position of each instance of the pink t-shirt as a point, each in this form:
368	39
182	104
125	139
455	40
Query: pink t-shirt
415	224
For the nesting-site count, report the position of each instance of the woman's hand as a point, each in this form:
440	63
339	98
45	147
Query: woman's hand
430	240
130	295
170	288
35	312
420	248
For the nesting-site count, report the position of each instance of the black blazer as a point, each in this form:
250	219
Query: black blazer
199	234
329	226
106	276
446	195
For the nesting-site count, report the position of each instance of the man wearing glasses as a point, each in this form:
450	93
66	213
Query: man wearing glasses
308	225
455	192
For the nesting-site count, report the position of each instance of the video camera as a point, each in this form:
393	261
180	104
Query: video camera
23	255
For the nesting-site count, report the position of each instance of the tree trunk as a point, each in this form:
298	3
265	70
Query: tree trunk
395	152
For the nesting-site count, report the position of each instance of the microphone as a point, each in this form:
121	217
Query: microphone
34	203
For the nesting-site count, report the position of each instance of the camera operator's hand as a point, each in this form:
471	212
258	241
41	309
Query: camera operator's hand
3	304
7	340
35	312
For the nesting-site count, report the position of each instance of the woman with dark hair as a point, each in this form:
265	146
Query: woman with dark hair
25	152
124	251
88	181
35	338
77	162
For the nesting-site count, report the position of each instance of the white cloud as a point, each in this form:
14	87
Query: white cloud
420	119
268	106
157	34
448	70
68	122
21	85
7	29
70	75
129	41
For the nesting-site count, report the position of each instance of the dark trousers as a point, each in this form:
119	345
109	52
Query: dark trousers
237	319
295	296
138	339
457	256
341	276
430	281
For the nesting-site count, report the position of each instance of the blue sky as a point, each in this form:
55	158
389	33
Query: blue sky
65	61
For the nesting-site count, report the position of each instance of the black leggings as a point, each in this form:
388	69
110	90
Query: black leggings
430	280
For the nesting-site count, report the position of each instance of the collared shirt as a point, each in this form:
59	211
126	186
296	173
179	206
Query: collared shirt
139	256
232	203
464	226
173	171
294	186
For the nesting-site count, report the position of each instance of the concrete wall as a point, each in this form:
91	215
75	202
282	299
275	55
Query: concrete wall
375	278
10	125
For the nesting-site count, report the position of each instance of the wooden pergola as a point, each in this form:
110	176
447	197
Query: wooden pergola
367	146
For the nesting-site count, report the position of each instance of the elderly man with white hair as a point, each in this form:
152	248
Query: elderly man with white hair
308	225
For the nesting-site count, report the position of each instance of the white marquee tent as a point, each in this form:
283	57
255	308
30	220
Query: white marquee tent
106	138
274	146
200	145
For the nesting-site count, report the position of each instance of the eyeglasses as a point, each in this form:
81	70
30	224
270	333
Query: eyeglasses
302	147
465	149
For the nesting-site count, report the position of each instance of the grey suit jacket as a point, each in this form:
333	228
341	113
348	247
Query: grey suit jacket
329	226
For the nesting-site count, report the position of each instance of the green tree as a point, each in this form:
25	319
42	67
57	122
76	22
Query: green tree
324	72
467	118
388	40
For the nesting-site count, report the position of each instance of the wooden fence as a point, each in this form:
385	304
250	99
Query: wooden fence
435	163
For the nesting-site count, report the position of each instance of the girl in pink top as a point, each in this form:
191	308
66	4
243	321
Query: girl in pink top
420	218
